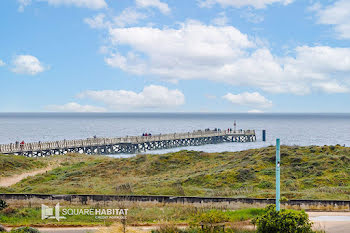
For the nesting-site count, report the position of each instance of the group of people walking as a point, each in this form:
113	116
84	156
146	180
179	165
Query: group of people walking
20	144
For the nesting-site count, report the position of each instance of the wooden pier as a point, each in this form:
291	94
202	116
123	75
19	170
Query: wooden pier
128	144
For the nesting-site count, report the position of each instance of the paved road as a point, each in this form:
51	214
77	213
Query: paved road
331	222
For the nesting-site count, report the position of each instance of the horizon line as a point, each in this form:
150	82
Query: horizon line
177	112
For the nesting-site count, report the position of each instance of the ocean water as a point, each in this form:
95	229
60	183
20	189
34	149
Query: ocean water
292	129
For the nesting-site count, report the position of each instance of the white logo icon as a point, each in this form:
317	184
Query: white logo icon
47	212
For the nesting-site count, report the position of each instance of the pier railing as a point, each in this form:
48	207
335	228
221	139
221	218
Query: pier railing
38	146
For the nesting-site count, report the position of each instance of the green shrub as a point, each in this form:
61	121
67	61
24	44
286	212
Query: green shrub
211	217
245	174
265	184
268	171
8	211
312	150
284	221
296	160
25	230
3	204
211	221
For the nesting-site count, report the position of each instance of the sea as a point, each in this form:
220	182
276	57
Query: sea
292	129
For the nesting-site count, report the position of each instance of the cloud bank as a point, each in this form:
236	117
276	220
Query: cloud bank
151	97
258	4
91	4
336	14
74	107
253	99
224	54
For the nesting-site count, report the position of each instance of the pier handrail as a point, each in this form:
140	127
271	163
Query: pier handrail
89	142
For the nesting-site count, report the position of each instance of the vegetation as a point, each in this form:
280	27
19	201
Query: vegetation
313	172
214	216
268	220
25	230
3	204
146	214
20	230
32	216
174	229
12	164
169	217
284	221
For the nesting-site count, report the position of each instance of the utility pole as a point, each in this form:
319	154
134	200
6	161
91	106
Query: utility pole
278	169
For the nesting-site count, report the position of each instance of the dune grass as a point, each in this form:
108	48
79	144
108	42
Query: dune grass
312	172
145	215
12	164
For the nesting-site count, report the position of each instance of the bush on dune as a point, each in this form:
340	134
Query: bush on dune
284	221
25	230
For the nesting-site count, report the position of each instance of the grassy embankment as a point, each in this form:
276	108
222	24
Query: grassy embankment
307	172
145	215
12	165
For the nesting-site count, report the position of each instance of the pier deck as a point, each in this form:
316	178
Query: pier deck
128	144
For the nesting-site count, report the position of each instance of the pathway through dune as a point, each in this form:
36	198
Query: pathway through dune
11	180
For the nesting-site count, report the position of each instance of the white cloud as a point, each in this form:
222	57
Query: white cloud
242	3
255	111
170	49
163	7
315	7
224	54
152	96
92	4
27	64
252	17
221	20
98	21
2	63
322	59
331	87
253	99
337	14
23	4
129	16
74	107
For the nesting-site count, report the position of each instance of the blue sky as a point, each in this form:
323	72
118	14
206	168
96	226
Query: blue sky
174	55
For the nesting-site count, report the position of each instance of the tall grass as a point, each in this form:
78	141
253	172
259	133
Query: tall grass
312	172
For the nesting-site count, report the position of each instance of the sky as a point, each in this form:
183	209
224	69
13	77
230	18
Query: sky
174	56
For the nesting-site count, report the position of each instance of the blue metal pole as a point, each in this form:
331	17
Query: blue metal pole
264	135
278	167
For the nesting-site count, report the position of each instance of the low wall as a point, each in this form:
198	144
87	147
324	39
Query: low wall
217	202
